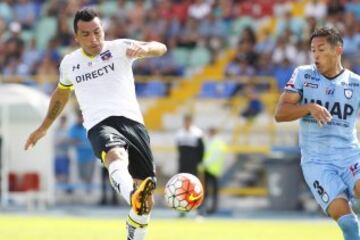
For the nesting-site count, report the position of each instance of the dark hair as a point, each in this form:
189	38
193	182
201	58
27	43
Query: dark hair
86	14
332	36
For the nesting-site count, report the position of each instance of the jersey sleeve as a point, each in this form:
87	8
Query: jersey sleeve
123	45
64	81
295	83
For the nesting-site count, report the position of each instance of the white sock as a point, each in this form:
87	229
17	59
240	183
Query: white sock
136	226
121	179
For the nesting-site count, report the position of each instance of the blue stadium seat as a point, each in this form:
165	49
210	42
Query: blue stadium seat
140	88
155	89
208	90
229	88
214	89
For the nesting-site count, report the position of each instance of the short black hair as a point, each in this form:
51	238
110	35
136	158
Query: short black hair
86	14
332	35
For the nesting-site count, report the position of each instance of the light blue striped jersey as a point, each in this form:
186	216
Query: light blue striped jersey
337	140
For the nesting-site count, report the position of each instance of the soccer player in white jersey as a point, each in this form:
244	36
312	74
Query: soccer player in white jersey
101	74
326	98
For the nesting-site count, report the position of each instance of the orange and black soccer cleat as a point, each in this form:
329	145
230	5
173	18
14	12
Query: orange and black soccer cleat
140	196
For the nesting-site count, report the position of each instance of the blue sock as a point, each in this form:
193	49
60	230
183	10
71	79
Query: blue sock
349	226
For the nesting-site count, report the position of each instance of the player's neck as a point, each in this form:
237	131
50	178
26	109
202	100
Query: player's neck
334	72
89	55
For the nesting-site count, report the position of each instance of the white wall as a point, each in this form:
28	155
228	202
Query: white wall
21	112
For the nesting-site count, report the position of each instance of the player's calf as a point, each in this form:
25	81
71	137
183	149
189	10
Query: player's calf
340	210
349	226
120	178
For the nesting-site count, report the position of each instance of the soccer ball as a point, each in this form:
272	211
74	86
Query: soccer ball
184	192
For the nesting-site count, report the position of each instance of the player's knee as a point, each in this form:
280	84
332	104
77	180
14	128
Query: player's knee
338	207
114	154
349	226
357	189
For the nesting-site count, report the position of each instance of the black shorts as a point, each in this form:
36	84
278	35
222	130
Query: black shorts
119	131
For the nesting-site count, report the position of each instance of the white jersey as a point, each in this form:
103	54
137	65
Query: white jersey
104	85
190	137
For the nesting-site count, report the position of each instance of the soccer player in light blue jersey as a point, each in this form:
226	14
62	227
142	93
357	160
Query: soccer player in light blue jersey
326	97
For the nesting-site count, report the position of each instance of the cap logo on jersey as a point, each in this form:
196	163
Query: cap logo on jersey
96	73
348	93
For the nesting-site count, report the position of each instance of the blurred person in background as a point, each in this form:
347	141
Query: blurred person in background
62	158
84	155
325	97
282	72
46	69
254	105
25	13
211	167
316	9
190	146
101	73
6	10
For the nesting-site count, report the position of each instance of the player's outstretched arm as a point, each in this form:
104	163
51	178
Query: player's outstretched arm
58	101
146	49
288	109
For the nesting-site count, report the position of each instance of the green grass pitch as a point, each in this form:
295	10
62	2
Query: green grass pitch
16	227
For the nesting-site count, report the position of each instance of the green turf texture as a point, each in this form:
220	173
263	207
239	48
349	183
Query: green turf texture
73	228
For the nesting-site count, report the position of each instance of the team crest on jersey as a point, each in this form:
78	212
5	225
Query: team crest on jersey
105	55
348	93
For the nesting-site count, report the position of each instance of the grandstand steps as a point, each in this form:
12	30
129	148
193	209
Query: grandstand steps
243	179
186	90
254	166
179	96
216	72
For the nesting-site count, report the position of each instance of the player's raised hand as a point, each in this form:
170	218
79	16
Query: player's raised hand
34	137
137	50
320	113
